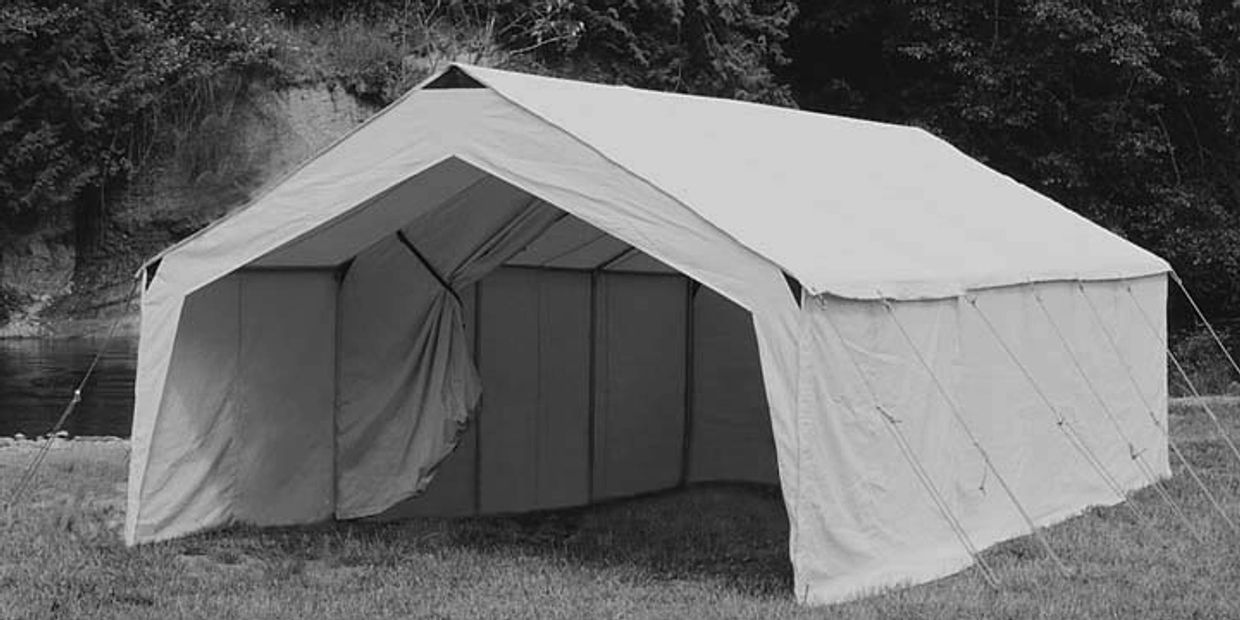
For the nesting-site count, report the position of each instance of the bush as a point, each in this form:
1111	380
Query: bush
1123	111
1204	363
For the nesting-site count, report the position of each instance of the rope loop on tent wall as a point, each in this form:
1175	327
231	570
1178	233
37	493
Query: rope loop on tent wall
1193	302
1069	431
1136	386
959	415
1133	453
892	420
32	468
919	469
1218	424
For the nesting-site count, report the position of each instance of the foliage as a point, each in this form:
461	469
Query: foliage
717	47
377	50
723	48
1127	111
87	88
1205	364
84	86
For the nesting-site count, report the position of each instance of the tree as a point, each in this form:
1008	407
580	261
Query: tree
84	86
1123	110
725	48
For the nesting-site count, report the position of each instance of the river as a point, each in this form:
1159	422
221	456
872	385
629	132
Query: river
37	378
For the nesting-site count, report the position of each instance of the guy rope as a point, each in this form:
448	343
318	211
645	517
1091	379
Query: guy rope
28	474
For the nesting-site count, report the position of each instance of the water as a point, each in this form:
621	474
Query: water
37	378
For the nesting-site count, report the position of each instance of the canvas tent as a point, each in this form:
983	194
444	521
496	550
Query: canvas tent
508	292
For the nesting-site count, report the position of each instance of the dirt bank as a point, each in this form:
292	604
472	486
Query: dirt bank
54	283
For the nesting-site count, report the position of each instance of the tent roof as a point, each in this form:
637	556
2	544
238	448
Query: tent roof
854	208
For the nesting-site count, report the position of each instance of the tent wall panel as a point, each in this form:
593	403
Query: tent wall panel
450	494
1026	439
640	384
453	490
254	360
508	422
198	406
406	381
873	512
409	383
564	389
731	420
534	344
286	387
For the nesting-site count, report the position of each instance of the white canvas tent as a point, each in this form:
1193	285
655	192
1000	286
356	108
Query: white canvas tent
523	253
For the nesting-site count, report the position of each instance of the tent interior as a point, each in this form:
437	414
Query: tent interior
604	372
601	384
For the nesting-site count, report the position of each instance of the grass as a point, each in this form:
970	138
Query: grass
714	551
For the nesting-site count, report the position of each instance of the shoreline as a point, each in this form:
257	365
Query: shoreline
37	442
69	328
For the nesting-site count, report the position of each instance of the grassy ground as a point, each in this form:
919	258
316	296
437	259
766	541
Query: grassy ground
708	552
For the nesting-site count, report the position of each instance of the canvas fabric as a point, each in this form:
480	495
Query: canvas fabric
299	362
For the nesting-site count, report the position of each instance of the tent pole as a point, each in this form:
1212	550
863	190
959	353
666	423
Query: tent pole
592	381
686	451
478	412
614	260
338	320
